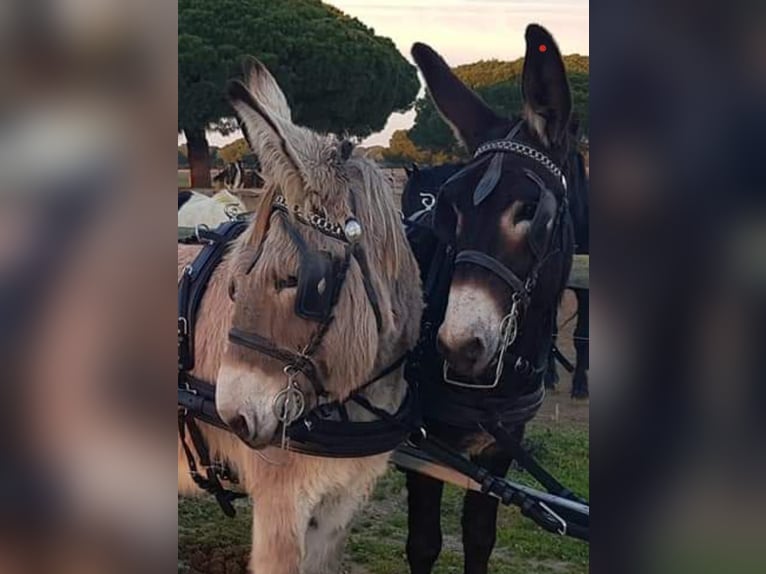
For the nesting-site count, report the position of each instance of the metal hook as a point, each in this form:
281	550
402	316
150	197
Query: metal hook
563	525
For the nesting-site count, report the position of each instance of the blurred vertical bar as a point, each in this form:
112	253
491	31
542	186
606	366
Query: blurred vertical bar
88	100
677	316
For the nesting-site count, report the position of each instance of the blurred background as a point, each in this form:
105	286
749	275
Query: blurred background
679	214
87	112
87	289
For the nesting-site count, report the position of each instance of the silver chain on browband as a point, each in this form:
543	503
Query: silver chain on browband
315	220
523	150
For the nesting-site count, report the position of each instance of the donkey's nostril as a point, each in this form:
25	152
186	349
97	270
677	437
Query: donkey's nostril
441	347
242	427
473	348
464	355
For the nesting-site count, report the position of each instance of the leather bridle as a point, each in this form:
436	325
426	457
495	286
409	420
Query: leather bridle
317	296
521	288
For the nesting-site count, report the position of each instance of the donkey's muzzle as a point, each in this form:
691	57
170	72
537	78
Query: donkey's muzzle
462	356
246	428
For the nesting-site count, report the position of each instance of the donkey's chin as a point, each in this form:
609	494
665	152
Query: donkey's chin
480	372
259	442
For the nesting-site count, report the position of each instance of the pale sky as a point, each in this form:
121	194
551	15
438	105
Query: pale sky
463	31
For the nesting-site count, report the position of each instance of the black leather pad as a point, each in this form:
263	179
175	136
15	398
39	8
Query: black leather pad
316	278
539	230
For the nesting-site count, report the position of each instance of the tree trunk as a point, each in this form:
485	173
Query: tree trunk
199	157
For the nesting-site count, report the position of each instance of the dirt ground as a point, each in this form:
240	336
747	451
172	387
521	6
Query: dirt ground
558	406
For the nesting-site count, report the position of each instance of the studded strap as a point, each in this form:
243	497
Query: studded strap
505	145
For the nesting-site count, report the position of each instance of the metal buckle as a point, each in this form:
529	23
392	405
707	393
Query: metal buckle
423	436
231	210
523	366
289	403
185	386
183	326
508	329
197	228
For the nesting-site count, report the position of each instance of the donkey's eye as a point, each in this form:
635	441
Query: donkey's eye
526	213
288	283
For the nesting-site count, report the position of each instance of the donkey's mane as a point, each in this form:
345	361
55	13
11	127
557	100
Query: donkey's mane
379	217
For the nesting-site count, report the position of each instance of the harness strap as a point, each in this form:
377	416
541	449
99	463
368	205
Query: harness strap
494	486
210	482
298	361
197	398
468	409
312	434
295	236
361	259
491	264
559	356
490	484
528	462
185	358
194	281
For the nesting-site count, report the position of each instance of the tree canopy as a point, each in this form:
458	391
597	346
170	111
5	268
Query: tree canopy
498	84
234	151
490	72
338	76
402	151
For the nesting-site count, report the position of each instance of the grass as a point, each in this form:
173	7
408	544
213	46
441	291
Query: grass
376	546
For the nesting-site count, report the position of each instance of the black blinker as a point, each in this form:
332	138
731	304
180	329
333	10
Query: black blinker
314	298
489	180
444	220
544	214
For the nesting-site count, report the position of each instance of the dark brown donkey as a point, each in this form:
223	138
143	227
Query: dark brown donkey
506	220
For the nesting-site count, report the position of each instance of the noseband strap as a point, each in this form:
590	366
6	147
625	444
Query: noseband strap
491	264
297	361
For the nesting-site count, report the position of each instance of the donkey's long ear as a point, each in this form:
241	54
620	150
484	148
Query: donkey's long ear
265	120
265	88
547	99
469	117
